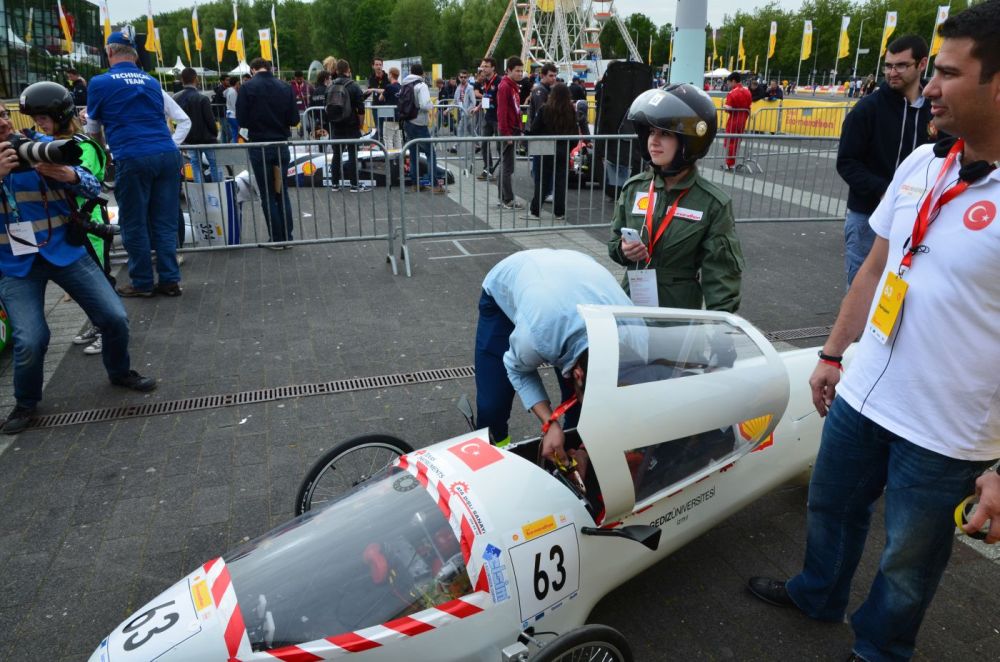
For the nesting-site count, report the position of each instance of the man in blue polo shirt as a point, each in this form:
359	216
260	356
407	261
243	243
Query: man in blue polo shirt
36	247
129	103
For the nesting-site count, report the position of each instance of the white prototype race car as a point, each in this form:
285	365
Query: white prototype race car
465	551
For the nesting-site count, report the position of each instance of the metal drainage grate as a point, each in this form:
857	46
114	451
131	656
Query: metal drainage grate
304	390
250	397
799	334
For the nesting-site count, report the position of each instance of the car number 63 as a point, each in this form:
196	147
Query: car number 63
546	570
137	629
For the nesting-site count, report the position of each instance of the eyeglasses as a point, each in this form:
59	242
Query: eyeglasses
899	67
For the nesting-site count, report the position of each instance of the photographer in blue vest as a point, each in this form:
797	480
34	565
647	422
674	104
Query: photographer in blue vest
43	239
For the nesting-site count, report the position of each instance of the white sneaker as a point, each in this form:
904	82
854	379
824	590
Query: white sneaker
513	204
550	197
87	336
94	347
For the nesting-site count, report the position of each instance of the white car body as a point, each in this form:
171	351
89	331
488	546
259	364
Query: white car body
527	540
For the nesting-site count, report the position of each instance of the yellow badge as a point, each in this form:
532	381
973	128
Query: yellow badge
890	302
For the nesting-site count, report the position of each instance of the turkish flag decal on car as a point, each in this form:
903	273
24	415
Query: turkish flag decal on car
476	453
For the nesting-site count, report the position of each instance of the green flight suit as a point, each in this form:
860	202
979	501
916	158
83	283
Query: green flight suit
696	260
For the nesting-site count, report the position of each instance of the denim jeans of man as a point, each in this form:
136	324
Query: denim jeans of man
146	188
505	181
417	173
489	128
858	240
194	156
494	392
859	461
274	193
234	129
548	182
24	299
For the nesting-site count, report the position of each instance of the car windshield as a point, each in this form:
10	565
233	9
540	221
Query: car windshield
380	552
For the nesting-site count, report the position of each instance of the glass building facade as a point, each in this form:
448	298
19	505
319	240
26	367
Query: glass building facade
32	46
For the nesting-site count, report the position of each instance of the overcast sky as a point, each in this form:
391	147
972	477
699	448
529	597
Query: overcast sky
659	11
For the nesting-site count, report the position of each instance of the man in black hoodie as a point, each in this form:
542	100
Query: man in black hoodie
881	130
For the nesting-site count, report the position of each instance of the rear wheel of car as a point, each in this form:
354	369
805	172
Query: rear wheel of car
345	466
593	643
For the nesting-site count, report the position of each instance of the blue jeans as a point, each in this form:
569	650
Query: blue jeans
234	129
146	188
197	167
858	461
24	299
412	132
858	240
494	392
277	206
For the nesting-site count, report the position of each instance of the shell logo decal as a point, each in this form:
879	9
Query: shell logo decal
308	168
701	128
752	429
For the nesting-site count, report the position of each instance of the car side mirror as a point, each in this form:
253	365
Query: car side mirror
640	533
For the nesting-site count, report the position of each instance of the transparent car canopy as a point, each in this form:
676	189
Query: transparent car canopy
380	552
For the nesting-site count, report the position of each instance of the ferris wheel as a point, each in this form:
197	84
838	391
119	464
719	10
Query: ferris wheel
564	32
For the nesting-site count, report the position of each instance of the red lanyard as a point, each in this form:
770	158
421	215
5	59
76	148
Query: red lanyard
558	413
664	224
929	209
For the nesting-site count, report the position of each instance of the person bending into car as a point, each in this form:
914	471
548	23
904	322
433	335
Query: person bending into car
684	222
37	245
527	317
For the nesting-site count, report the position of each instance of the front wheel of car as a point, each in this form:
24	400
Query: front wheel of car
345	466
599	643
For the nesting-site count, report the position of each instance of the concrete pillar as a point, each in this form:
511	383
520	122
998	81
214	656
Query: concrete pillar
688	65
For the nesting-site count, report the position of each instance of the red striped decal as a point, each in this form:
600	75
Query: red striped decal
443	500
353	643
220	585
610	525
404	462
422	473
208	565
643	509
234	631
467	540
293	654
408	626
459	608
482	584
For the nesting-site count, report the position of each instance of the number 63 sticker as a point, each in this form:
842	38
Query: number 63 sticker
546	570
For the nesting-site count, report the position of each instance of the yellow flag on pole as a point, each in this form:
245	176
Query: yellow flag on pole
196	29
220	43
67	35
187	46
105	20
890	26
807	40
150	44
264	34
242	53
772	40
234	38
844	49
31	22
942	16
741	54
274	24
159	46
715	51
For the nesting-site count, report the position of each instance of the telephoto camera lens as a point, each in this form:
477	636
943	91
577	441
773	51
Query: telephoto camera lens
59	152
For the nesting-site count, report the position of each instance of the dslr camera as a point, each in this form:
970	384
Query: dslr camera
58	152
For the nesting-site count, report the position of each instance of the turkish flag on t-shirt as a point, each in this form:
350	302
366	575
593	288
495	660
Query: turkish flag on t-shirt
476	453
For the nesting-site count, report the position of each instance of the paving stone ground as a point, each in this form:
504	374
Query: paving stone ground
97	519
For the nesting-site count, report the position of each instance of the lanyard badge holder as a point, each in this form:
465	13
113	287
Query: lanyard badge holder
642	282
890	302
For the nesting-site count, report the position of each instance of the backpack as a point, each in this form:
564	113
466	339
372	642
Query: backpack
338	103
406	105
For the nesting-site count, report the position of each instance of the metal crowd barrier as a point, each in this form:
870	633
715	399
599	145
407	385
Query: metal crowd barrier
777	178
229	214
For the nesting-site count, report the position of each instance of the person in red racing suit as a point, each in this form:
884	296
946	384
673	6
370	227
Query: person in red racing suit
738	106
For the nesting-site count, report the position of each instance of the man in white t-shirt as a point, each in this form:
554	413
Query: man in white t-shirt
917	415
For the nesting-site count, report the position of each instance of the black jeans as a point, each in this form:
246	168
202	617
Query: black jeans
505	183
351	169
490	128
543	178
